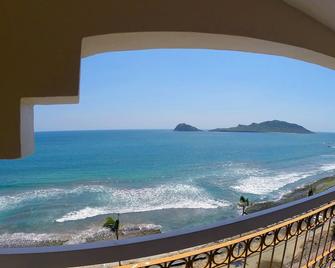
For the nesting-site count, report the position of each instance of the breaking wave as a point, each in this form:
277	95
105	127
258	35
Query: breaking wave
262	183
92	234
148	199
117	200
328	167
11	200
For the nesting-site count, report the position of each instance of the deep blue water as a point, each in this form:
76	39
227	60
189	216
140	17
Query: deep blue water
171	179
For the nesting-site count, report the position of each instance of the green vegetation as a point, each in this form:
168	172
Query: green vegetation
267	126
113	225
244	203
185	127
310	192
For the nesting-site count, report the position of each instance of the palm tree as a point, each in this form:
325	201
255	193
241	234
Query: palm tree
244	203
310	192
113	225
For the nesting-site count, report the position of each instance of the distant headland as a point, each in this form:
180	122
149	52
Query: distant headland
185	127
267	126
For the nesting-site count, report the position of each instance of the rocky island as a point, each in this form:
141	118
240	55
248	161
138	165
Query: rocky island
267	126
185	127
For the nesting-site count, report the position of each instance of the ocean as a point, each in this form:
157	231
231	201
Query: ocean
160	178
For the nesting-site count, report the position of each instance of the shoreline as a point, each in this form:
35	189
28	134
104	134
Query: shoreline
93	234
318	186
128	230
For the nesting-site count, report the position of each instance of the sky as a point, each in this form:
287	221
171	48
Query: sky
159	88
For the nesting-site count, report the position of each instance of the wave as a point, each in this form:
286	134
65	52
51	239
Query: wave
117	200
8	201
12	200
92	234
98	233
148	199
265	182
328	167
262	185
31	239
100	199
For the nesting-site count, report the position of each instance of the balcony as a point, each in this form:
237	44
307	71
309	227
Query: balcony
41	62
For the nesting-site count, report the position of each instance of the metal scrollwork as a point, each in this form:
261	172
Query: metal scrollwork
304	241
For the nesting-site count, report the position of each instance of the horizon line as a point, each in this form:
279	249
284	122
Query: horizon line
144	129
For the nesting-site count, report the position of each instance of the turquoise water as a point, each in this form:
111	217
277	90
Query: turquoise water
160	177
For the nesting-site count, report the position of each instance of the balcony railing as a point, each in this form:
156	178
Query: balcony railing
303	241
297	234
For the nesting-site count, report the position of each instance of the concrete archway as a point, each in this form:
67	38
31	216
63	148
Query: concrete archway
93	45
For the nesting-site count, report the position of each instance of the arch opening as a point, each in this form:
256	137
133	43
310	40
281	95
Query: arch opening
169	198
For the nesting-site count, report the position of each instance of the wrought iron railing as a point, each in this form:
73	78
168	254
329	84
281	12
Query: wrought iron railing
297	234
303	241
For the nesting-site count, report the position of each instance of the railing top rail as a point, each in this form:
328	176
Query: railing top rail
111	251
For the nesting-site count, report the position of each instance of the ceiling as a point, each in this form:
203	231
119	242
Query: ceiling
321	10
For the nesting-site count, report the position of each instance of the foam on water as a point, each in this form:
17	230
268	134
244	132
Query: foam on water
120	200
173	195
9	201
91	234
148	199
30	239
12	200
76	176
328	167
265	183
